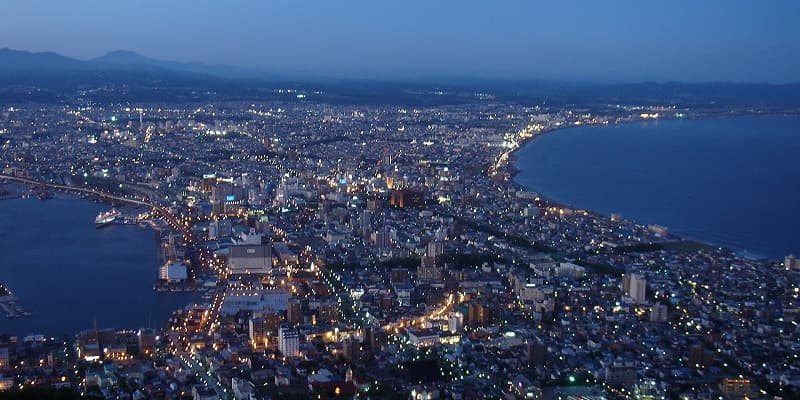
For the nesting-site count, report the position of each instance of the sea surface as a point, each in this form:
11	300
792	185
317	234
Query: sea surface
729	182
70	274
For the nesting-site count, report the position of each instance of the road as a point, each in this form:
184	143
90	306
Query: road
408	322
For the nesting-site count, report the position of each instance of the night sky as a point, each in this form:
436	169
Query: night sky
615	41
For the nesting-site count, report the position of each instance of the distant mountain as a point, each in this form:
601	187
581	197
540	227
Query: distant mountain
129	76
133	59
57	72
125	57
17	60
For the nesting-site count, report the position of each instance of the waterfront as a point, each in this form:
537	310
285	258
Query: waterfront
67	273
723	181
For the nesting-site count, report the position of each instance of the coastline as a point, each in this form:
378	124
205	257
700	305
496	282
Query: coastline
513	170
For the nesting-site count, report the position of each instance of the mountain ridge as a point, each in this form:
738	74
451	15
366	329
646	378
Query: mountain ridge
132	58
60	74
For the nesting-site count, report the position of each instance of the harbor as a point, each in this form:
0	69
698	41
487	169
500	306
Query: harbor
57	252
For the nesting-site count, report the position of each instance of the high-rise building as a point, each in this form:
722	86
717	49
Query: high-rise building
638	288
381	239
536	353
141	121
700	358
351	349
204	393
288	341
146	341
5	359
273	320
405	198
365	223
399	276
403	294
648	389
790	262
328	312
370	341
434	249
294	311
263	328
635	287
455	321
658	313
428	270
220	228
242	389
621	374
257	331
478	315
374	204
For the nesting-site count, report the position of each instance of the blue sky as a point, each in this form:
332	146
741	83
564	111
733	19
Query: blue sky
705	40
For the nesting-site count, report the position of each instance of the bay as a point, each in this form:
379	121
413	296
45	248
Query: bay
730	182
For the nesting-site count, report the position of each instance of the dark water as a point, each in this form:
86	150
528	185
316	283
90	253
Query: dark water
68	273
730	182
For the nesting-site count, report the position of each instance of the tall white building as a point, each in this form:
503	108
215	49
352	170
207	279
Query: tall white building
455	321
637	288
790	262
288	341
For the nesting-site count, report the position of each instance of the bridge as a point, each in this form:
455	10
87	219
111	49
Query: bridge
168	216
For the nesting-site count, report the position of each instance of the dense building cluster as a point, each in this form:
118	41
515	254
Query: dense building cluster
385	252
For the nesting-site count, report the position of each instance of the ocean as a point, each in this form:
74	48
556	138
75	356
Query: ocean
729	182
69	274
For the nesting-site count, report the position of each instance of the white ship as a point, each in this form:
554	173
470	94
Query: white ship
106	218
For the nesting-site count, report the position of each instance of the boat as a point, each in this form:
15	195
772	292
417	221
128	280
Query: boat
106	218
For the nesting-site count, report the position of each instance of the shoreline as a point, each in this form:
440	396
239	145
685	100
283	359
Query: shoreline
513	170
512	155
